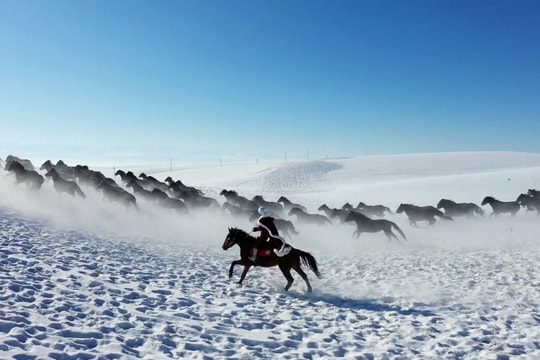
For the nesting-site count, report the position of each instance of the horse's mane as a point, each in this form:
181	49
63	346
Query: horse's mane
241	234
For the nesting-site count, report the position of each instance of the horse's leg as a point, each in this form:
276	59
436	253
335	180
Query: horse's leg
389	234
236	262
244	273
299	270
286	270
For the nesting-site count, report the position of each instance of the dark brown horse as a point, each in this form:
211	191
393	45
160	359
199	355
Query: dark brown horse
530	202
293	260
62	185
452	208
365	224
307	218
285	227
501	207
31	177
288	205
421	213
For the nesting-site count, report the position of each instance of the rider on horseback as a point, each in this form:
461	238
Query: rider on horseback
265	224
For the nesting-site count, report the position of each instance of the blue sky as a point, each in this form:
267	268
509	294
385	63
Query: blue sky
119	81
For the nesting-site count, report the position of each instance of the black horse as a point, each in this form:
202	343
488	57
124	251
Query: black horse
236	210
62	185
534	192
372	210
421	213
238	200
501	207
27	164
30	177
117	194
307	218
285	227
365	224
368	210
65	171
274	207
293	260
288	205
452	208
530	202
327	210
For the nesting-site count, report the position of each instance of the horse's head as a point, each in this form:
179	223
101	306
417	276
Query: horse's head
14	165
142	176
361	205
258	198
488	200
232	238
401	208
442	203
522	199
52	173
282	199
46	165
347	207
533	192
224	192
323	207
169	179
120	172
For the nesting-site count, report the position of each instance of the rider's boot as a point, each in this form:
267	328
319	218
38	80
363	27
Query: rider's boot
253	256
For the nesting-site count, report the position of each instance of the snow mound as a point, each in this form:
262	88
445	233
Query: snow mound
300	177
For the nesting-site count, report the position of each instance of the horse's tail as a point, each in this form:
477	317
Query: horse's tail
394	225
478	210
309	261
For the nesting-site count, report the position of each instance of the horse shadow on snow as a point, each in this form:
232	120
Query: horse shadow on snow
359	304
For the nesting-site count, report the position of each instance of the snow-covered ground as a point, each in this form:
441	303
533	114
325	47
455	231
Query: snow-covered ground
88	279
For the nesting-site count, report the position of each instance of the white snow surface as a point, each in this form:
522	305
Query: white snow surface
88	279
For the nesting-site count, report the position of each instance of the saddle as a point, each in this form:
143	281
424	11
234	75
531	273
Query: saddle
264	252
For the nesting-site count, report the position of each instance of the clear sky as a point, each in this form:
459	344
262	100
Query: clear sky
202	80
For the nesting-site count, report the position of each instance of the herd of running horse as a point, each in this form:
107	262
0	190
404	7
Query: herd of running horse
175	195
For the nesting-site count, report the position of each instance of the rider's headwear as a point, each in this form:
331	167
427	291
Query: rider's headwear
263	211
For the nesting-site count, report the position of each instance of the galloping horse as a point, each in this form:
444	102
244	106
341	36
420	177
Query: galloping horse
285	227
452	208
534	192
372	210
293	260
419	213
288	205
365	224
307	218
31	177
62	185
529	201
238	200
501	207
